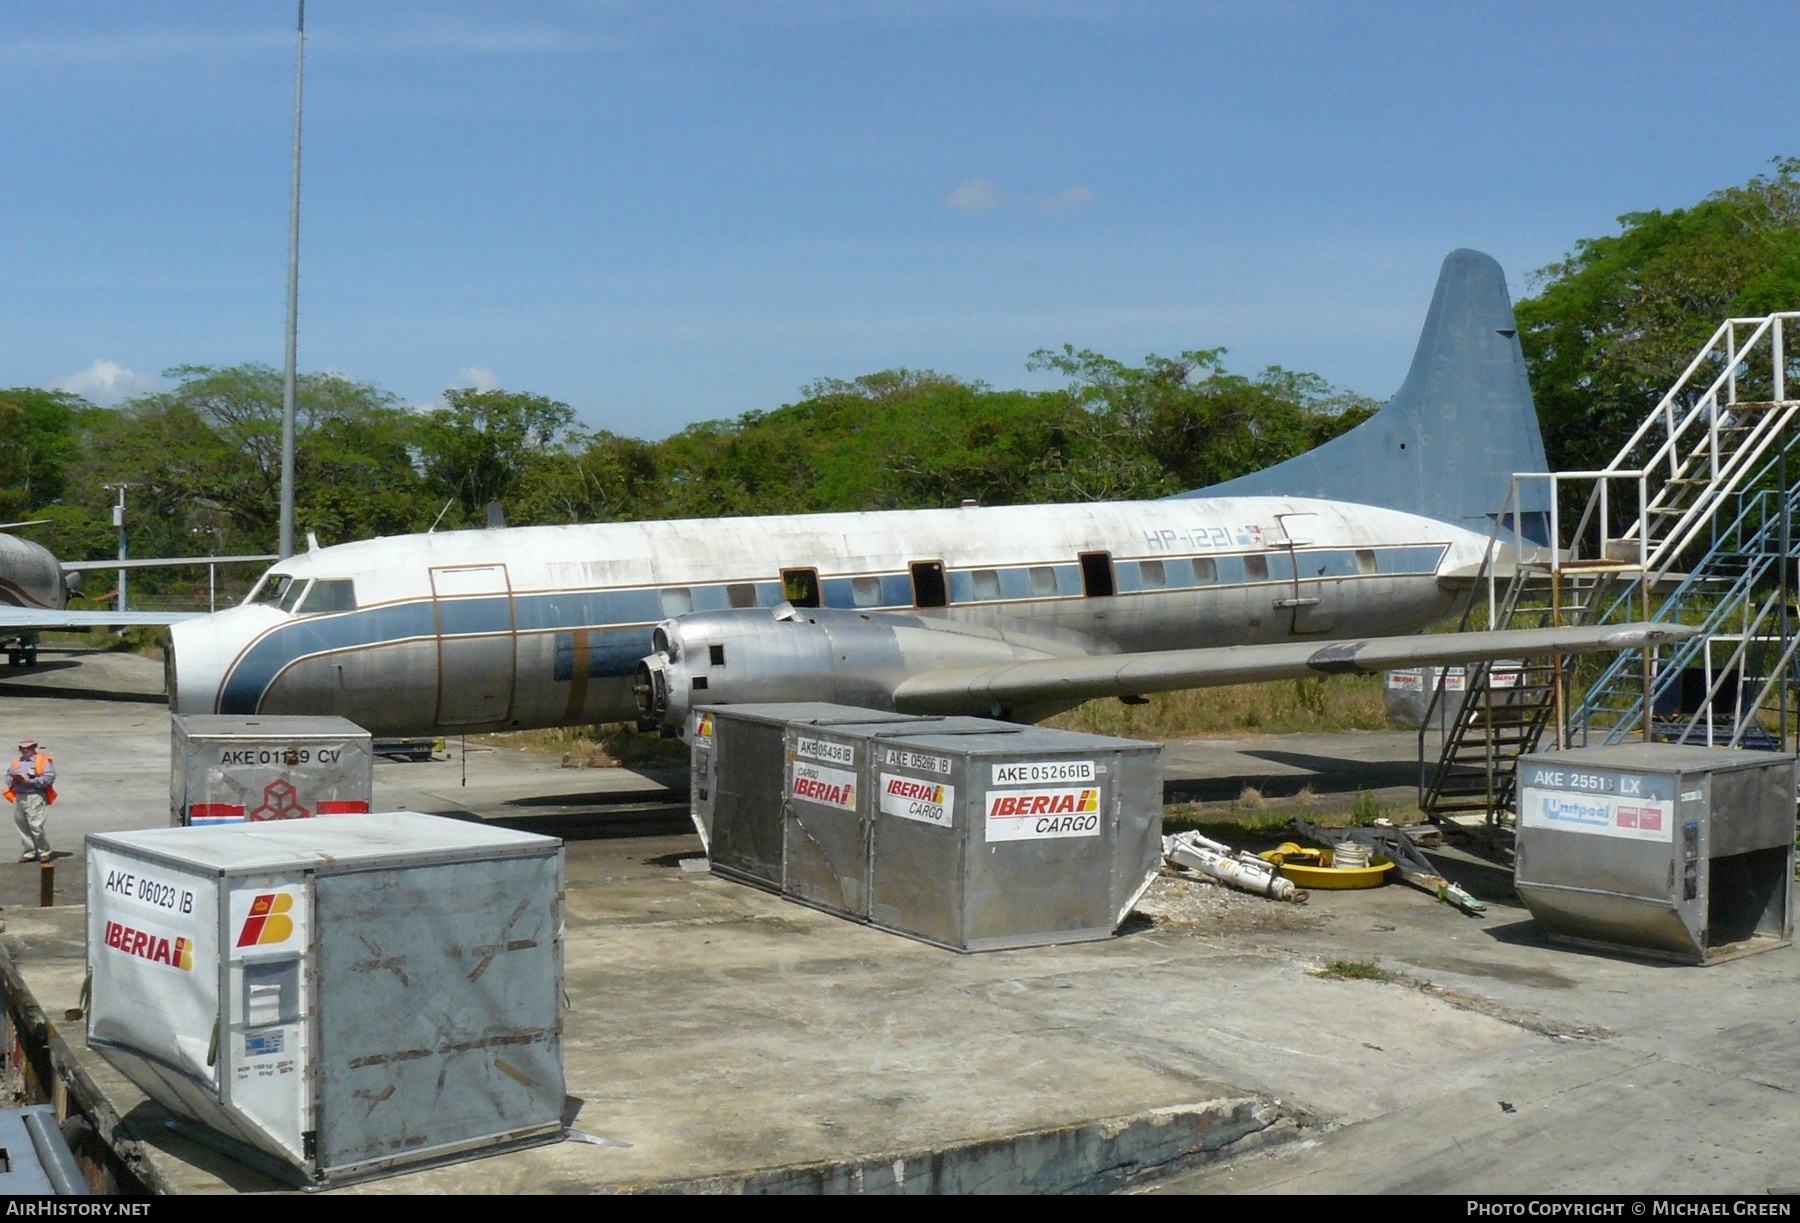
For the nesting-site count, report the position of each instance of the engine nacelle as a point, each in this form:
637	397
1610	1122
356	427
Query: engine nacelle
749	655
757	654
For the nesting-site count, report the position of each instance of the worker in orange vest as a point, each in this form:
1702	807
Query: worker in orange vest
31	788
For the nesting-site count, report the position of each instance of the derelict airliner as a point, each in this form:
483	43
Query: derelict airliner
1333	561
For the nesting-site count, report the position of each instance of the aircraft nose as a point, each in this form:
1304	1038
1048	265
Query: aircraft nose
198	653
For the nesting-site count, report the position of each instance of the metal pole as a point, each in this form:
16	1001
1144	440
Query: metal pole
1649	652
1556	664
1787	543
286	548
119	522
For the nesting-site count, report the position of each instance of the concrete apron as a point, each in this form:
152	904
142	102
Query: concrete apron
980	1146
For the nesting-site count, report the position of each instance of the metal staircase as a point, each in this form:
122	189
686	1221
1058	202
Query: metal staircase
1693	482
1739	594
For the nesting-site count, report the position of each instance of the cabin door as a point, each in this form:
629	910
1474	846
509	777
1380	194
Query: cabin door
476	653
1306	594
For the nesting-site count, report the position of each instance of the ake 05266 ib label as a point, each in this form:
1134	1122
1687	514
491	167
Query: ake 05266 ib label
1041	772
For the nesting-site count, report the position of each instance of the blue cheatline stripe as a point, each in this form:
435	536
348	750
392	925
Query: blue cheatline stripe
612	653
580	608
256	669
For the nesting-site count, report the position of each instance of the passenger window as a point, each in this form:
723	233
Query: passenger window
1365	560
865	592
1151	575
1206	571
984	585
677	600
1043	581
800	587
928	584
335	595
1256	568
295	593
741	594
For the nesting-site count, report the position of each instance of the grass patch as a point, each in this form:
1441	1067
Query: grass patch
1231	825
1365	810
145	639
610	746
1279	707
1355	970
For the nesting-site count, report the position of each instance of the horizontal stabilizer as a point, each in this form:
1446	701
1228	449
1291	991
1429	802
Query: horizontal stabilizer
981	689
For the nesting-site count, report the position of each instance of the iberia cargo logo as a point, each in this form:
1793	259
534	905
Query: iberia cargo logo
268	921
1029	815
144	945
817	784
910	798
906	787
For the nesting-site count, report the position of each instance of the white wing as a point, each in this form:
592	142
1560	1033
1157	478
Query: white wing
50	619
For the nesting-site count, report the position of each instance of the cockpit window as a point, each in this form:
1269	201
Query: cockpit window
330	595
291	599
272	589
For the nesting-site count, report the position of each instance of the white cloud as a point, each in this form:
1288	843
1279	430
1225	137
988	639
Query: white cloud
984	195
107	382
976	195
1076	197
478	376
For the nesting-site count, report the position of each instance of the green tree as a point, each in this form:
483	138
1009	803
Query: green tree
39	438
1193	422
483	445
203	460
1612	326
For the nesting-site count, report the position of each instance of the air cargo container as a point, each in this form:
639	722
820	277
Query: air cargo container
233	770
331	1000
1672	852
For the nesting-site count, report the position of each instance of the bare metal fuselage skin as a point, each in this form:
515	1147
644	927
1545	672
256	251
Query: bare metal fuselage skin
545	626
30	576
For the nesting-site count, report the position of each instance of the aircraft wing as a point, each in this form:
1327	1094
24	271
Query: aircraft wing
162	562
976	689
51	619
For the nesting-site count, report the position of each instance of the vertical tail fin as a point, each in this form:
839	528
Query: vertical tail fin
1445	445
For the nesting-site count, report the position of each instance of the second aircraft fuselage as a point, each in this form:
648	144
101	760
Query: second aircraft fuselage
544	626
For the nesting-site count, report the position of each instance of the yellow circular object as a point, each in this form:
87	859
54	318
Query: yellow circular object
1312	868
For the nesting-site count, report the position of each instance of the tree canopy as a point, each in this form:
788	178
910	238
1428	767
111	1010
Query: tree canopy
1613	324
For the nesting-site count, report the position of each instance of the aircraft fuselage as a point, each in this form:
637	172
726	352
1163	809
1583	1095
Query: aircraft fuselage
544	626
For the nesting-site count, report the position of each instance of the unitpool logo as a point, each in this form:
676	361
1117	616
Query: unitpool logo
268	921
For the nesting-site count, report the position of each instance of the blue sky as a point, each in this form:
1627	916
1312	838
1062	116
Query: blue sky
663	213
